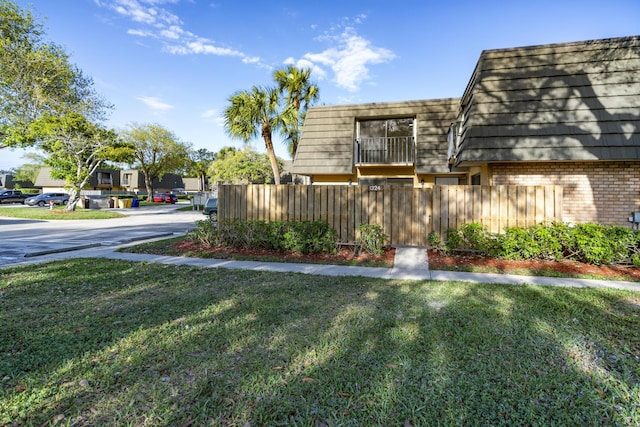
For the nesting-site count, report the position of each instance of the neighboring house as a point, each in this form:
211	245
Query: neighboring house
561	114
102	179
109	180
133	180
8	182
401	143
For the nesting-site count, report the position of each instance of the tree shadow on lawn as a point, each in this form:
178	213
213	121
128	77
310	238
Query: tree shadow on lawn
167	345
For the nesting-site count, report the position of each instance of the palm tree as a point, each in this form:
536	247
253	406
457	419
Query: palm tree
300	93
254	112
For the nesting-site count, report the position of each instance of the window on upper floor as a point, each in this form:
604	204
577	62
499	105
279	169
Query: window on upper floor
104	178
385	141
126	179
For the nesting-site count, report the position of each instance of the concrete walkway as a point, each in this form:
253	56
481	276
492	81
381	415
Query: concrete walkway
410	264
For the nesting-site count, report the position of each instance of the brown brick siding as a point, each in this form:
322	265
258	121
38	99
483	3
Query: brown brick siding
603	192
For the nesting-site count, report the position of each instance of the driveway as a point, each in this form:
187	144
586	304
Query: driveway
26	238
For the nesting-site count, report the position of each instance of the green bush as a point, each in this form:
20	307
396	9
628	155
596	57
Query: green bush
204	233
601	244
434	240
518	243
590	243
309	237
372	238
476	237
453	240
298	236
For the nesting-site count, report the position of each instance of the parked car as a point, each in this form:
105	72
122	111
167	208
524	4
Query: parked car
12	196
44	199
165	198
211	208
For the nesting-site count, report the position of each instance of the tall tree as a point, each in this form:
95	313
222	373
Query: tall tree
300	92
200	161
257	112
76	147
37	79
28	171
241	166
156	151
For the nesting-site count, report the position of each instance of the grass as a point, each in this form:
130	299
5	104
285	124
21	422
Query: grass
97	341
58	212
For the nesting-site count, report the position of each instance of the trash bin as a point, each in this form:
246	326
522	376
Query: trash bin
112	203
87	203
135	203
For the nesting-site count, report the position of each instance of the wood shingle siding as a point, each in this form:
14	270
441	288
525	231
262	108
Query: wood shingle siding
571	101
327	142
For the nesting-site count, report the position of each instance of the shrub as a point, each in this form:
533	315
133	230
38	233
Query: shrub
476	237
453	240
309	237
372	238
434	240
590	243
204	233
601	244
517	243
299	236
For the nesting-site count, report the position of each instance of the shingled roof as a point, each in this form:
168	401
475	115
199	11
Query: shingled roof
569	101
326	144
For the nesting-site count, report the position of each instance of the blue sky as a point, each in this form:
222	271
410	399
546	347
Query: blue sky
176	62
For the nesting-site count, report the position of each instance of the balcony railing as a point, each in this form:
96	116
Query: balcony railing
394	150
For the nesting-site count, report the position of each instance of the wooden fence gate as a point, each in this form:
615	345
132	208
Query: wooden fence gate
407	215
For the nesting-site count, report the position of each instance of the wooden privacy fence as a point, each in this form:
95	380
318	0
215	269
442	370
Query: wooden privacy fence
407	215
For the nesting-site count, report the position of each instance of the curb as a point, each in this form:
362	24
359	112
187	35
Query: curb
92	245
56	251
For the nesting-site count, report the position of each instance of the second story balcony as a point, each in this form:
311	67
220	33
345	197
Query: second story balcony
397	150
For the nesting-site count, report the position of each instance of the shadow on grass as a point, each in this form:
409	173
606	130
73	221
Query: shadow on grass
97	341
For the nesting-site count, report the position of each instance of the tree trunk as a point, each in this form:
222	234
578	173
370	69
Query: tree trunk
148	183
74	198
266	134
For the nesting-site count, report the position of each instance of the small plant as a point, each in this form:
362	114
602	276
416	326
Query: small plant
453	240
204	233
434	240
372	238
476	237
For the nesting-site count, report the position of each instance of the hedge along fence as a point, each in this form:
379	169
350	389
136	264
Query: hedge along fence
407	215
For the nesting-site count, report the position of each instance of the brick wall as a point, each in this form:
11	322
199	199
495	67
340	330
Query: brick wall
603	192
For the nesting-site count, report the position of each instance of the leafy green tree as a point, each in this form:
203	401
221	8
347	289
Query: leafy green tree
28	172
257	112
241	166
300	92
76	147
156	151
200	161
37	79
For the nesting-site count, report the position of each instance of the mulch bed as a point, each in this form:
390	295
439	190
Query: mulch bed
440	261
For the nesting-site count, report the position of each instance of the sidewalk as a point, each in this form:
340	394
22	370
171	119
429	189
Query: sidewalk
410	264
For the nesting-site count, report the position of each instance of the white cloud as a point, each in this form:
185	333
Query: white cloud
213	116
155	103
156	21
317	71
351	58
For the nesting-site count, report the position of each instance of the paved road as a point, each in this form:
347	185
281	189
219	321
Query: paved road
24	238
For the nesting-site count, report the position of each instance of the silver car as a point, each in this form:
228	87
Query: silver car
45	199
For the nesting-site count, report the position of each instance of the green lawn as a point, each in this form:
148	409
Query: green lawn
104	342
58	212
